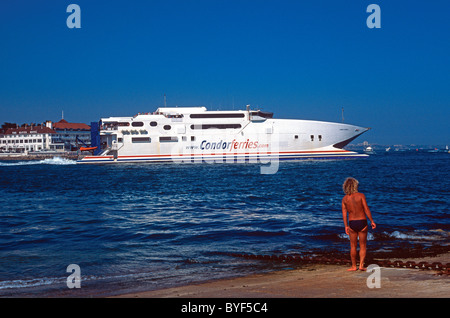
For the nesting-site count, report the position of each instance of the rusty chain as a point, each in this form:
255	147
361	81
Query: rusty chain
441	269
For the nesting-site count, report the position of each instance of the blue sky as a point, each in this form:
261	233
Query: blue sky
299	59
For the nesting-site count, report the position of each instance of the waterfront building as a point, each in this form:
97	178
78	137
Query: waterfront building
71	135
27	139
60	136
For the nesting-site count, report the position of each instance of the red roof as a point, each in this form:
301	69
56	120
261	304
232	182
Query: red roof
29	130
63	124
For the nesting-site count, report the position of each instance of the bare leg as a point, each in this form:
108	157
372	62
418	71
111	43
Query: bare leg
362	248
353	246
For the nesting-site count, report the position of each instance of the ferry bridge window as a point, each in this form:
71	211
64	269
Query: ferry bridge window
218	115
153	123
167	127
163	138
312	137
140	139
137	124
296	136
216	126
320	137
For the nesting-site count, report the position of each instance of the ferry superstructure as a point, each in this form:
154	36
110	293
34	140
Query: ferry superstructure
194	134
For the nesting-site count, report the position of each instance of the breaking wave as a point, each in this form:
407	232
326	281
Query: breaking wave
431	235
19	283
419	235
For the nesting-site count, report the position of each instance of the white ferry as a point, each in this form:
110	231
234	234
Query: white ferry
194	134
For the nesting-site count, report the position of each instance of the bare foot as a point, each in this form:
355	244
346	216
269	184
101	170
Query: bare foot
352	269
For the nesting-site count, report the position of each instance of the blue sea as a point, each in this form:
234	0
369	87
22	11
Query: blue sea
137	227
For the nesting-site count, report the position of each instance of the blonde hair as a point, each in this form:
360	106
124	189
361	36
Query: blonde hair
350	186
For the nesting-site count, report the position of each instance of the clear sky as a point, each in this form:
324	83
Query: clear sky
299	59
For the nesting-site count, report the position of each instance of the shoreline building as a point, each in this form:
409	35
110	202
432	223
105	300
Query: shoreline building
71	135
60	137
26	139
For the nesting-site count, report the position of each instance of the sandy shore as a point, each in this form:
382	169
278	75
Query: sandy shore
319	281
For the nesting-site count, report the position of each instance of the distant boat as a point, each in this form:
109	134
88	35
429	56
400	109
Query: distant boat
369	150
434	150
388	149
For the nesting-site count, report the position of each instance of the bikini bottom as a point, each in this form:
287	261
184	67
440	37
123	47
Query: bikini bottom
357	225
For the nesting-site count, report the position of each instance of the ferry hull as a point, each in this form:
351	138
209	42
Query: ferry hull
227	158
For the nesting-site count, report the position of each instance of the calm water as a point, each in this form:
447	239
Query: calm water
146	226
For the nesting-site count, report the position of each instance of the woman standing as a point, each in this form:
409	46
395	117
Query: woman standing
355	205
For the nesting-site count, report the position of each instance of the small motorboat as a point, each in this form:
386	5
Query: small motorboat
369	150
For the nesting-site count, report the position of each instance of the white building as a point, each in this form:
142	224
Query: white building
26	139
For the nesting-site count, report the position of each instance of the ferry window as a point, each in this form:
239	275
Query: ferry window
119	139
216	126
320	137
137	124
153	123
175	116
219	115
312	137
140	139
123	124
262	114
192	138
296	137
167	127
184	138
168	139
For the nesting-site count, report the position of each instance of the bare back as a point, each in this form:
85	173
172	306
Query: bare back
356	206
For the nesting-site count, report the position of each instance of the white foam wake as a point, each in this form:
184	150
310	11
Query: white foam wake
49	161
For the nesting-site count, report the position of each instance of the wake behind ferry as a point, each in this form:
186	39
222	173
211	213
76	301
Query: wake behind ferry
194	134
